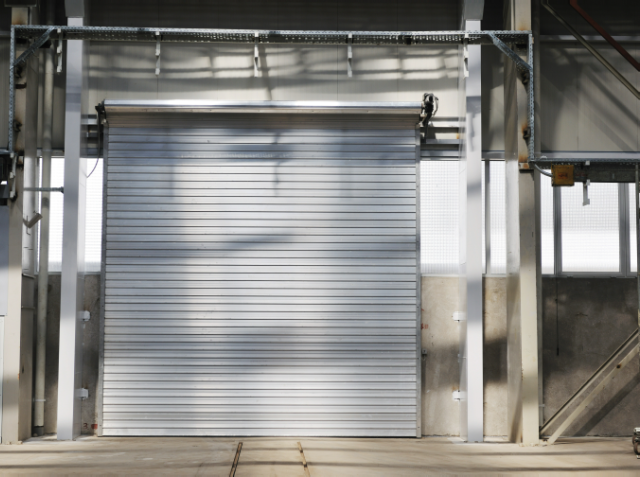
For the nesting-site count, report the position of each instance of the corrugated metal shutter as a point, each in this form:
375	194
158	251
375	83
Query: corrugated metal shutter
261	275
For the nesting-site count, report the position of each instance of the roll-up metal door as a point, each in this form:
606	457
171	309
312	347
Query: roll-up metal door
261	270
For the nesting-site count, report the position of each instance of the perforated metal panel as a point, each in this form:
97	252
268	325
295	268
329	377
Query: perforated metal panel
261	275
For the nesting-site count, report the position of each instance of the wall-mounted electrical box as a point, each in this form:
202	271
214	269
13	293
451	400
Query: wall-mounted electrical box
562	175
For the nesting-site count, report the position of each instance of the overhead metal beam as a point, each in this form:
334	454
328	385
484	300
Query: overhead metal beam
34	47
316	37
323	37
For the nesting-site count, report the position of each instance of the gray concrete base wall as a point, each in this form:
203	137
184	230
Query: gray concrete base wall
90	345
440	368
585	319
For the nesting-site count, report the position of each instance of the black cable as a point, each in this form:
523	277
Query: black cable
99	149
94	167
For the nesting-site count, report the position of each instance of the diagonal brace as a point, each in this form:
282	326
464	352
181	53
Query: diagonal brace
521	65
598	389
32	49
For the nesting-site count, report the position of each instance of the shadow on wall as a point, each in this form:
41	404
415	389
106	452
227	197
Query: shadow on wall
583	106
592	318
226	72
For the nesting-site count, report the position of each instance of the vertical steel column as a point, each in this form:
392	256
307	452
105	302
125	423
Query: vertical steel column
473	353
638	240
72	286
43	271
18	322
522	263
537	147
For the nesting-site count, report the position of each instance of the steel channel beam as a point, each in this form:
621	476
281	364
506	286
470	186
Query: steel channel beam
34	47
325	37
12	89
186	35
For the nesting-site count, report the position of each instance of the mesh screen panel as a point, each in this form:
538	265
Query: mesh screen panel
497	218
439	217
546	225
633	250
93	229
93	224
56	210
590	234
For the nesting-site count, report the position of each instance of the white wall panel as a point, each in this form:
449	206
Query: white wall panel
123	71
307	73
234	73
560	98
584	108
181	60
607	114
376	74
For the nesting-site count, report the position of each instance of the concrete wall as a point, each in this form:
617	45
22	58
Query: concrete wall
592	317
585	320
90	344
440	368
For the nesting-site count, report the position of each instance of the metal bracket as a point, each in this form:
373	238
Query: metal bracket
521	65
44	189
459	316
29	223
34	46
585	193
59	51
256	54
525	71
82	393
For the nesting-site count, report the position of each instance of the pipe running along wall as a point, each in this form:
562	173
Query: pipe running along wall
43	270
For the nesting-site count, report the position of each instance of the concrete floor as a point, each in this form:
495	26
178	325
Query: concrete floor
326	457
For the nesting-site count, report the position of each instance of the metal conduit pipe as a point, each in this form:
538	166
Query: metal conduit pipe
43	270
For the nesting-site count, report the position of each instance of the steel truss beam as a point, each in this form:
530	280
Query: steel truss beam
39	34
